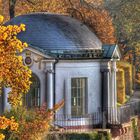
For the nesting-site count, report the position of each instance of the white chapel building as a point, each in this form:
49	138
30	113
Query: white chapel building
69	62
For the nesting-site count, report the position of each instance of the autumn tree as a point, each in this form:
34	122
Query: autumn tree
13	73
126	18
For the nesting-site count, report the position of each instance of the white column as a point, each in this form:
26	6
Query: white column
50	86
112	89
7	106
114	92
115	83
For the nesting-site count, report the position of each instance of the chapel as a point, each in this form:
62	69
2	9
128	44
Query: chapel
68	61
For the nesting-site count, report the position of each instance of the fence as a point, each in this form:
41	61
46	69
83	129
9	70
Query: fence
129	110
80	123
113	116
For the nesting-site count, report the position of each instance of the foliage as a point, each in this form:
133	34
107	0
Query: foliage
120	86
126	18
13	73
135	129
124	81
7	125
127	75
33	123
79	135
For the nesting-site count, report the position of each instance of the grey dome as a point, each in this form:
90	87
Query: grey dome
55	32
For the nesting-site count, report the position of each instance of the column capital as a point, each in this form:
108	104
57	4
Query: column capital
105	67
49	71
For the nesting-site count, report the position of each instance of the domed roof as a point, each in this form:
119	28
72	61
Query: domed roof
55	32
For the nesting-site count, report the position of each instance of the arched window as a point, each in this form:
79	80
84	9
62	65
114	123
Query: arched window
32	98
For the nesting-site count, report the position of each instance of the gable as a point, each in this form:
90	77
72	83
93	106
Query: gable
116	54
36	51
34	58
111	52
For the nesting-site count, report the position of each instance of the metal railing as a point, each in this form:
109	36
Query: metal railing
127	111
79	123
113	116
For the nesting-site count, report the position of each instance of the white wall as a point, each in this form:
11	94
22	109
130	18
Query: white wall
65	70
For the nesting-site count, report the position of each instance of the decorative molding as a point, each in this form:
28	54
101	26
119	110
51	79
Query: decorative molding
50	71
30	48
38	60
28	60
77	54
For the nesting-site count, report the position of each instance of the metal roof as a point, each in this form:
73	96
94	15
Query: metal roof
47	32
108	50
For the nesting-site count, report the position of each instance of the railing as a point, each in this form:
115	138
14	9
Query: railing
80	123
127	111
111	116
124	114
134	107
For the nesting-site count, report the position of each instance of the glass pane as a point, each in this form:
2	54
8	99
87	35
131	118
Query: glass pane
32	98
74	92
78	96
74	83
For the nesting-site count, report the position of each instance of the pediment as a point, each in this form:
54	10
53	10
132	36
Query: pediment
116	54
37	52
32	56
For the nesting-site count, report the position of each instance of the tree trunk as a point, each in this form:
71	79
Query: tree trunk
12	4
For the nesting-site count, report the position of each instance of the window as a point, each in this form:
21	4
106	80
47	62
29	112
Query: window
32	98
78	96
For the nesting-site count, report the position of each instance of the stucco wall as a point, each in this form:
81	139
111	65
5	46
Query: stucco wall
65	70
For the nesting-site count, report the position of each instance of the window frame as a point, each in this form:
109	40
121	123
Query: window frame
28	98
84	90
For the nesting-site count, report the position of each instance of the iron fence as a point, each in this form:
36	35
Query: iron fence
129	110
67	122
113	116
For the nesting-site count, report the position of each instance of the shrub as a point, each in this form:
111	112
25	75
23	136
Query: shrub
33	123
7	125
124	81
135	129
80	136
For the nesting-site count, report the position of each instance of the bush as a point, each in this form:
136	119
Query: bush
120	86
79	136
33	123
124	81
135	129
